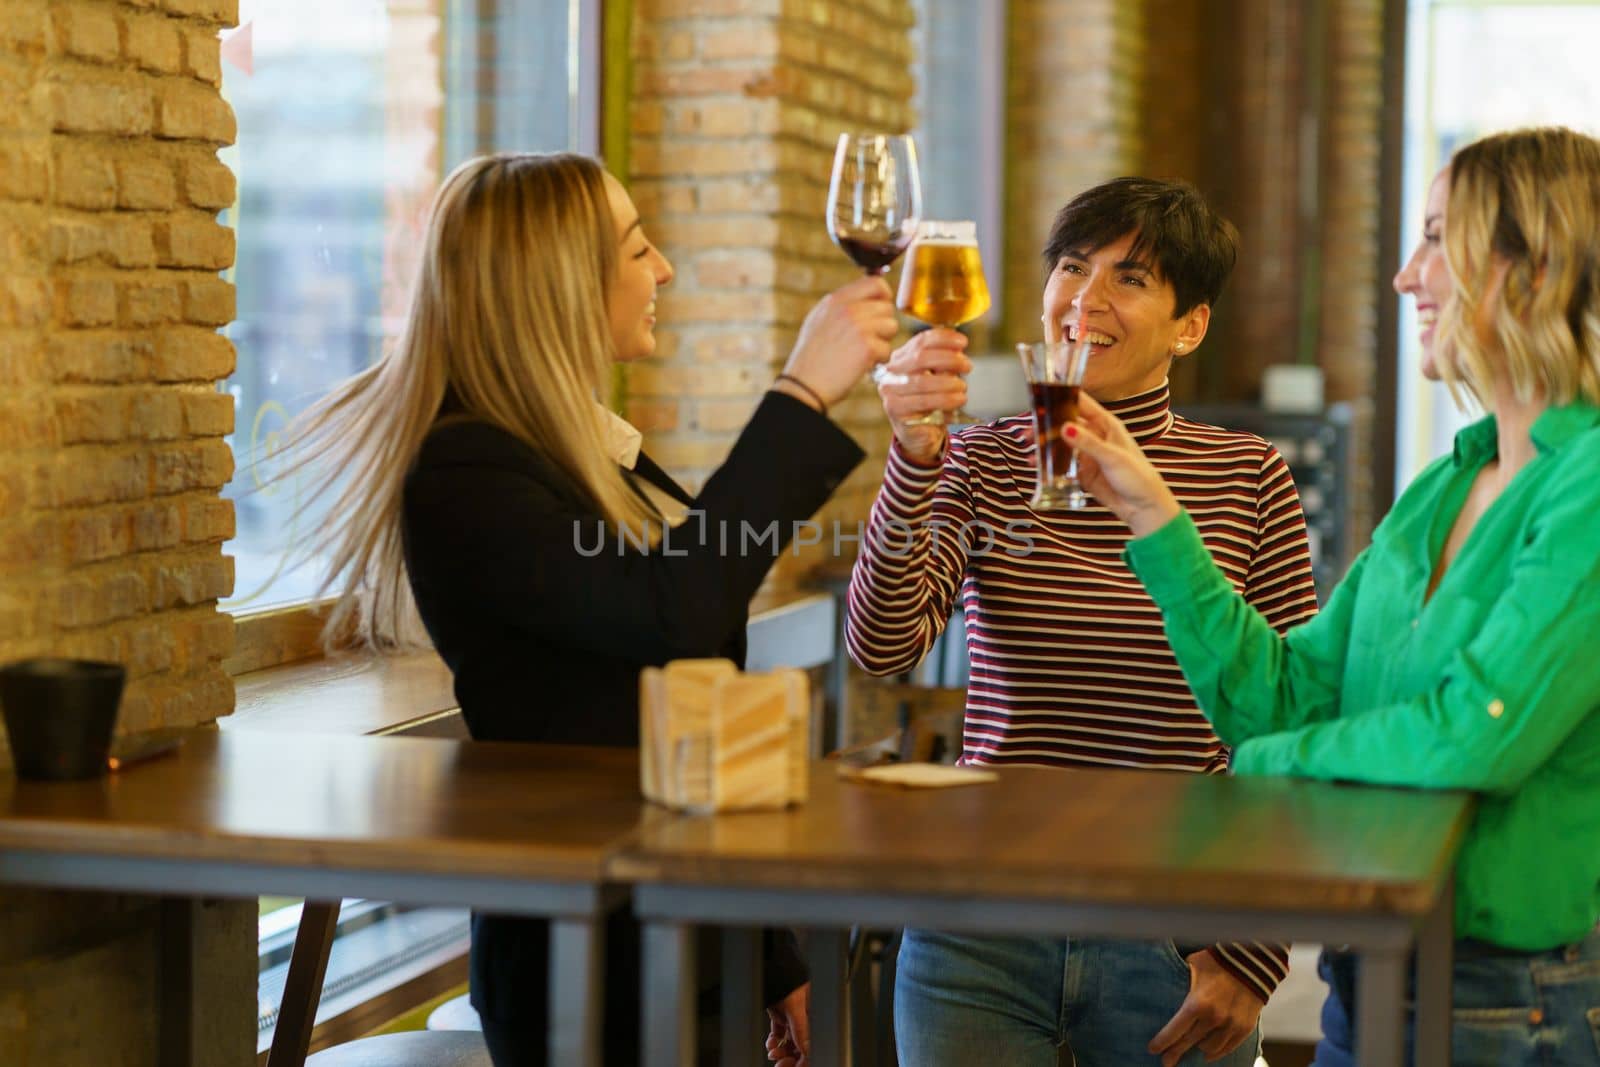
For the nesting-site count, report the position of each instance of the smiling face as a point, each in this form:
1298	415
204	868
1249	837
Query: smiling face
641	269
1426	275
1125	308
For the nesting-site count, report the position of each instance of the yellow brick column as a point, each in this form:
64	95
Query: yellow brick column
737	106
1347	345
1072	119
111	463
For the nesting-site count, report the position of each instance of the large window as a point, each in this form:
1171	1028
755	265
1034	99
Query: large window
1474	67
350	112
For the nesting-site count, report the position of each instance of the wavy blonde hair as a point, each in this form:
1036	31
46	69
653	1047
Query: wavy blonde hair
1527	202
507	317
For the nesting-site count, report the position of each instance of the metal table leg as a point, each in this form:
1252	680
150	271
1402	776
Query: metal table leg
179	974
825	955
744	1028
1380	1007
1435	963
577	968
670	982
863	1010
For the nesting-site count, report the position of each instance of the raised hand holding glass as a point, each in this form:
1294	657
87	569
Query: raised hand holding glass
942	284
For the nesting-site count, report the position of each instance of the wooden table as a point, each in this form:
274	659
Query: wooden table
503	827
1129	854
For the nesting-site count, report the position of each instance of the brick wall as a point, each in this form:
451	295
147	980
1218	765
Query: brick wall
1249	97
737	105
1072	119
111	455
1175	131
1214	93
1254	176
111	450
1351	273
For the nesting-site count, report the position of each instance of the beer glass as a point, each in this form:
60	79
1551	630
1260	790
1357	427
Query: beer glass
1054	370
874	198
942	284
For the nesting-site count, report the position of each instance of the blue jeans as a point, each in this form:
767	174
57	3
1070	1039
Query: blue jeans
1538	1009
961	1001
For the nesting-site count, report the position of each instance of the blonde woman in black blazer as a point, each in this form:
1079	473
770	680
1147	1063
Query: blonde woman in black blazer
478	476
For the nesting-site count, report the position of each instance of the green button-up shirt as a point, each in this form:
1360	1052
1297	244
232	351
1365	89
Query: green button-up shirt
1491	685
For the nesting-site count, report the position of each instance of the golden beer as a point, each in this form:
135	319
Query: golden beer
942	283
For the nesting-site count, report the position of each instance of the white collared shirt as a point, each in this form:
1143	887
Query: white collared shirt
622	438
623	442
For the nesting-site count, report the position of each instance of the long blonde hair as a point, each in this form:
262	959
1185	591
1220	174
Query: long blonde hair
508	318
1528	200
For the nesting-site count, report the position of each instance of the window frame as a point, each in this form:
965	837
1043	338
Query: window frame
289	633
984	57
1414	413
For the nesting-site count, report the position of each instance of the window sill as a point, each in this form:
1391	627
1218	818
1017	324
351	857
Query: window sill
350	694
412	694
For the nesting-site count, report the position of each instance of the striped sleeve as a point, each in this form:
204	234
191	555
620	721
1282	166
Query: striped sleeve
1258	966
903	585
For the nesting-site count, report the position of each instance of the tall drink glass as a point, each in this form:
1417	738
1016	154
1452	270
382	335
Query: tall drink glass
874	198
942	284
1054	370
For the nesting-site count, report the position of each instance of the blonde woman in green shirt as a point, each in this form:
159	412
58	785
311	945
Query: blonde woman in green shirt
1462	650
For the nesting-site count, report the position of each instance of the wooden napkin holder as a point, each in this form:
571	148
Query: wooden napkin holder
715	739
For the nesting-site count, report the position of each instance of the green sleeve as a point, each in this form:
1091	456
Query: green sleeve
1247	679
1505	701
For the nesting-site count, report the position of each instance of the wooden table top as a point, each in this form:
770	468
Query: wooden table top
552	813
1081	836
555	813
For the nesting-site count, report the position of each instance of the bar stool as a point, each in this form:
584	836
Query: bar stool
297	1013
457	1013
416	1048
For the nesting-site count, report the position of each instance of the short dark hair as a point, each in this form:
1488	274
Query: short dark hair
1193	247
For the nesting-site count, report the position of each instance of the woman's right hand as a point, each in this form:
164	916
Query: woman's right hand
844	336
926	374
1115	470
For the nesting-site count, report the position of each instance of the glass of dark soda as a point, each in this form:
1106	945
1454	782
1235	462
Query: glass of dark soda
1054	370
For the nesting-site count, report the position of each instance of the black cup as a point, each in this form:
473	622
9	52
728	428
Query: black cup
60	715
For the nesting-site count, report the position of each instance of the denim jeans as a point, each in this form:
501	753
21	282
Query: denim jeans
1525	1010
961	1001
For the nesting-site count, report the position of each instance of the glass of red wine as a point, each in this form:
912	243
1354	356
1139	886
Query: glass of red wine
1054	370
874	203
874	198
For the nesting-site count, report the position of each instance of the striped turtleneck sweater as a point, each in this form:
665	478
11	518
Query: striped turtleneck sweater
1069	662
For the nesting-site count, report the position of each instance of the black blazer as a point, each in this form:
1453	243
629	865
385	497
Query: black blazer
545	620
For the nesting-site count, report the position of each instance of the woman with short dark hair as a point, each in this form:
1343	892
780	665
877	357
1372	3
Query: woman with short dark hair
1069	664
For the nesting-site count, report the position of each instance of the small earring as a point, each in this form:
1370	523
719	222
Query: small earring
1178	347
